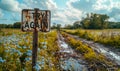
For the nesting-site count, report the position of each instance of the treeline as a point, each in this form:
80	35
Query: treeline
91	21
94	21
15	25
114	25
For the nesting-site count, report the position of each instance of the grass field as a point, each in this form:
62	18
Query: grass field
109	37
16	49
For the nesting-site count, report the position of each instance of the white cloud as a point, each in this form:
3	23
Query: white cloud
24	6
74	10
51	5
67	15
109	7
100	5
64	16
41	4
112	19
1	14
60	18
70	2
15	7
8	5
106	5
83	5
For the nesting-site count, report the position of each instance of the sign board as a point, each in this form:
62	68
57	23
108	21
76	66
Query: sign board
35	19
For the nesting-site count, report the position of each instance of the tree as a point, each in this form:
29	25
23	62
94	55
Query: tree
54	26
95	21
104	20
85	23
17	25
77	24
68	26
114	25
9	26
58	26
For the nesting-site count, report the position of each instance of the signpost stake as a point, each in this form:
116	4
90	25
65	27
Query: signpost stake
35	42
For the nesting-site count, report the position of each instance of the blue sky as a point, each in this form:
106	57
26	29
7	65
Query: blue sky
63	11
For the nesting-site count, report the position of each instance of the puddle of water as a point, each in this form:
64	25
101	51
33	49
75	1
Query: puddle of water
73	65
110	55
107	53
63	45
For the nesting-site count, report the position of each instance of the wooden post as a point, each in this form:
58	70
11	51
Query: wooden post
35	41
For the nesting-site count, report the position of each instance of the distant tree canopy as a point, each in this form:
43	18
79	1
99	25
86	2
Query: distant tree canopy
77	24
56	26
6	26
114	25
69	26
95	21
15	25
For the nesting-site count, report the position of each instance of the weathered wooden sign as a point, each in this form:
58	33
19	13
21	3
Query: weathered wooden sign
35	20
40	17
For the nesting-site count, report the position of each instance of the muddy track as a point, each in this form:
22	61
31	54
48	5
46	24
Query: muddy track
70	60
111	54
